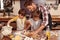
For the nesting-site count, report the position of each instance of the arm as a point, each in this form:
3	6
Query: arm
34	34
45	13
40	29
10	21
27	25
14	19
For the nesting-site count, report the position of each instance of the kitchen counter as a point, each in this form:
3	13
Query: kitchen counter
53	37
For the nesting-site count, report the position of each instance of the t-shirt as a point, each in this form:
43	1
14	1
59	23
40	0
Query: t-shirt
35	24
20	22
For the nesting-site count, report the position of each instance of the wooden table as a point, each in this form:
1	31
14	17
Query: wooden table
52	37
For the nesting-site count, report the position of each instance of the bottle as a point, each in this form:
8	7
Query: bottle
48	33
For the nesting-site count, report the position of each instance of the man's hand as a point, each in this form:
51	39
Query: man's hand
33	34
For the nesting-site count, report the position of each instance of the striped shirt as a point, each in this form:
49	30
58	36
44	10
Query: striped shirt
45	13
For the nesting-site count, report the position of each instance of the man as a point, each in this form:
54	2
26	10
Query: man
31	6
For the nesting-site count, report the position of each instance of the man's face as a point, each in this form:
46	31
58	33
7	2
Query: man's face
31	7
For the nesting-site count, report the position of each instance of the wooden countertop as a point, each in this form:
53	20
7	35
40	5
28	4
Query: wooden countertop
54	18
6	18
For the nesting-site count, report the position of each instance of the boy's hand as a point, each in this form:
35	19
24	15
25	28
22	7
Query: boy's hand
8	25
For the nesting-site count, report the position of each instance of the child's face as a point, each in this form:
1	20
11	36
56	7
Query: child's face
21	16
36	17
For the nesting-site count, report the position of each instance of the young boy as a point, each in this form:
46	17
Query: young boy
34	22
20	19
